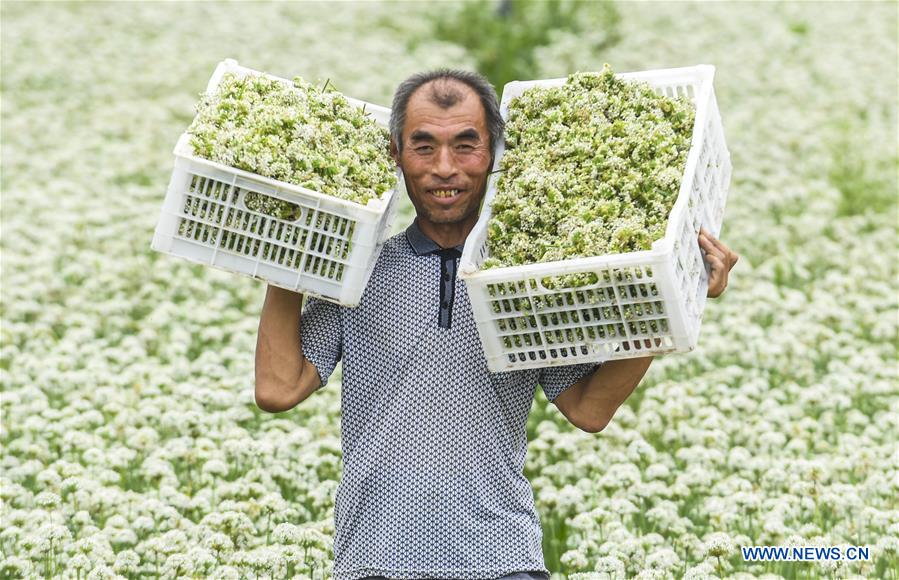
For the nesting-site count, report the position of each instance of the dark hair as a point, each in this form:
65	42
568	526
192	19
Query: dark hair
445	95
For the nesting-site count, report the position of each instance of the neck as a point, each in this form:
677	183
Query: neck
448	235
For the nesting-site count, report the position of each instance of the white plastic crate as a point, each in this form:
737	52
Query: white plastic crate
526	319
328	250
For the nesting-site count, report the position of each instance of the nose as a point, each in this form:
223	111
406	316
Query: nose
444	164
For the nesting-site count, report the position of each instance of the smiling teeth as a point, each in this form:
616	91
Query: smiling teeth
445	192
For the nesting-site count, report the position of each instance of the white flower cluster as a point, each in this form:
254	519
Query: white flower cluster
297	134
591	167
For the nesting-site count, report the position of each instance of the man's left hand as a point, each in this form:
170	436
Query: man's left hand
720	258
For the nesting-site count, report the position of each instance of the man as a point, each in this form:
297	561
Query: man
433	444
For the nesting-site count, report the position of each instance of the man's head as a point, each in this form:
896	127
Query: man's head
443	127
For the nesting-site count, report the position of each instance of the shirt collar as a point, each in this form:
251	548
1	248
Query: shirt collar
421	243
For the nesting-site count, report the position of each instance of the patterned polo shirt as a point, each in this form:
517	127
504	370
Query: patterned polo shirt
433	443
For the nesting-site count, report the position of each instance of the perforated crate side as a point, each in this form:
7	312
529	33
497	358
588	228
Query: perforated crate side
326	249
704	208
527	321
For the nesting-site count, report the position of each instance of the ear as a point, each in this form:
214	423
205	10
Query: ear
395	153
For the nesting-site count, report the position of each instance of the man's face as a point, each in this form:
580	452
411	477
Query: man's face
445	157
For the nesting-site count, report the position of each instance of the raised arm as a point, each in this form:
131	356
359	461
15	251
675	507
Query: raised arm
284	377
591	402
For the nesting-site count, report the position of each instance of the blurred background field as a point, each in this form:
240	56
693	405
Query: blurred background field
131	444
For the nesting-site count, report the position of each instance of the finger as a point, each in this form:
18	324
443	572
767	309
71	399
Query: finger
717	283
716	264
711	249
722	247
715	241
718	243
717	274
714	285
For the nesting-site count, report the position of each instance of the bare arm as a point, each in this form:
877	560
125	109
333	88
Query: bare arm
284	377
591	402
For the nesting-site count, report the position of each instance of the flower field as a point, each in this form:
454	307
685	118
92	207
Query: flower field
131	444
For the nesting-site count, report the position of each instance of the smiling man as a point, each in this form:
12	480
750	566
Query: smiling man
434	444
443	144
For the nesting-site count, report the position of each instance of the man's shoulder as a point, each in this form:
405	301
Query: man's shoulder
393	269
396	246
396	254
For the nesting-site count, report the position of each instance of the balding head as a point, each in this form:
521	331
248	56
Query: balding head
446	88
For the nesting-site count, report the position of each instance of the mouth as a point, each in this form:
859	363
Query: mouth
445	195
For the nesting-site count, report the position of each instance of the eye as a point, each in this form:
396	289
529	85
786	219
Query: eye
465	147
424	149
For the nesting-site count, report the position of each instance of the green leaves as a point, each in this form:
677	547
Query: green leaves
502	36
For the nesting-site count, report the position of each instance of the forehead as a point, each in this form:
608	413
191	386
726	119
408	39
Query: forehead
423	113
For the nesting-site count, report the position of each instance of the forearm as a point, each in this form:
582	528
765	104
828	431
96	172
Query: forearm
608	387
279	358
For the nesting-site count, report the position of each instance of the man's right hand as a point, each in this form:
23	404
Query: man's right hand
284	377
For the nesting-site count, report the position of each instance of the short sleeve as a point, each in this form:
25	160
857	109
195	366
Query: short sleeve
321	336
554	380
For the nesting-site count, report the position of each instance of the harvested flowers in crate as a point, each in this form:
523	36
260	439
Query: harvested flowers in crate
591	167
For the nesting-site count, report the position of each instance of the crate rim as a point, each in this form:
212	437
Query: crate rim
663	245
374	206
562	267
707	71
